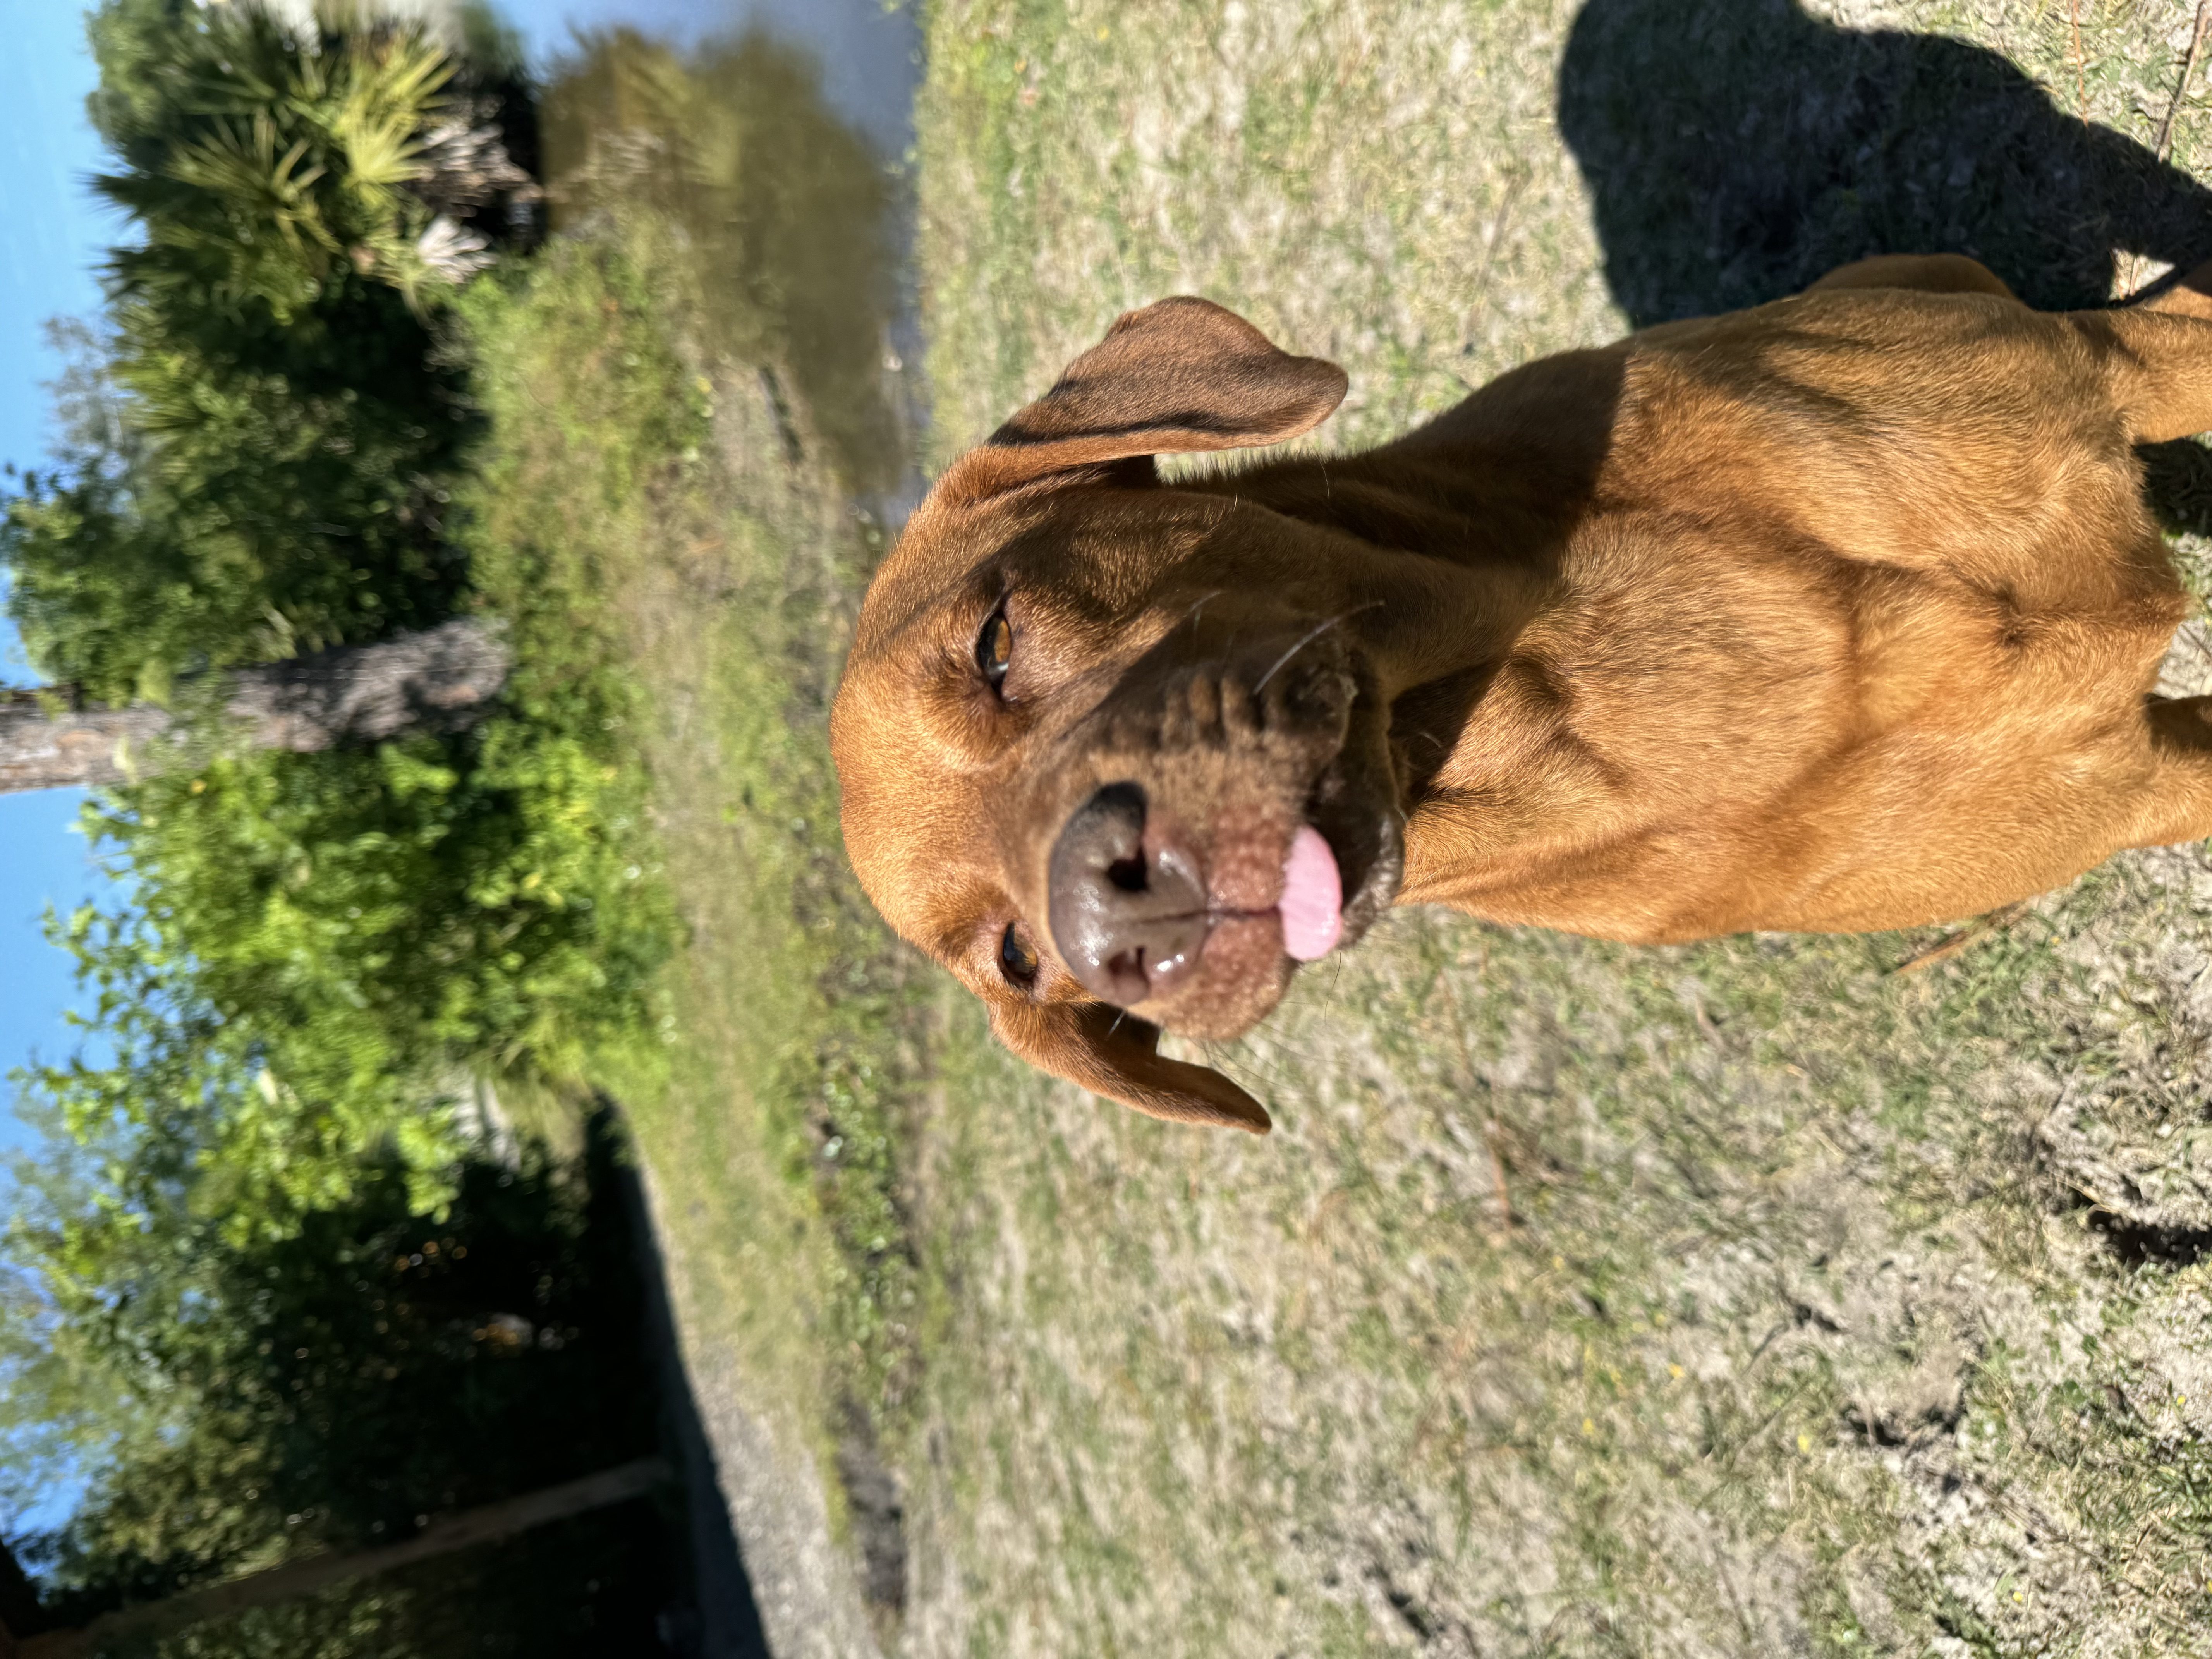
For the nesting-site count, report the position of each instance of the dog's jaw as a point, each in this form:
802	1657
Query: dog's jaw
1352	804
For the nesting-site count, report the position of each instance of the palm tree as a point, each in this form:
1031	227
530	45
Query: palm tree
287	424
280	156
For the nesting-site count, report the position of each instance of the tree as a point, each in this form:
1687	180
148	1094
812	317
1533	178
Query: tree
281	415
318	946
263	447
310	1574
282	1401
441	680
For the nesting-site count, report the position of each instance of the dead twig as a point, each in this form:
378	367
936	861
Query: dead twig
1514	182
1501	1195
2188	69
2081	64
1976	931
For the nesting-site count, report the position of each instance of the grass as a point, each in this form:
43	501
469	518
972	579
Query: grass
649	487
1751	1298
1747	1299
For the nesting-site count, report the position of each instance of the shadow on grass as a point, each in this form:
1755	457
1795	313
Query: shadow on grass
723	1621
1737	150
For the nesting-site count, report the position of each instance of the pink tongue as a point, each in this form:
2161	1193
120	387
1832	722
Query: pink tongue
1312	905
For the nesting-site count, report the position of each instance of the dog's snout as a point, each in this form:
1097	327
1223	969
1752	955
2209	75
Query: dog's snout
1129	918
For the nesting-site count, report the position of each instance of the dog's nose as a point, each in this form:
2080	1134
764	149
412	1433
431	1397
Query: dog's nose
1129	921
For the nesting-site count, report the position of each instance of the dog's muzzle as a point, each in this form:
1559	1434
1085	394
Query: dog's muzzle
1129	922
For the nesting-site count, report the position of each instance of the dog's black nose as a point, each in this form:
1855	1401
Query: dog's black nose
1129	921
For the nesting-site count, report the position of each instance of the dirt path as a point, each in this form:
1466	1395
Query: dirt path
802	1583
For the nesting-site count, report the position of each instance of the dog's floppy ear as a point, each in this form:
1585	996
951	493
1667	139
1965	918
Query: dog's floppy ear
1116	1054
1176	377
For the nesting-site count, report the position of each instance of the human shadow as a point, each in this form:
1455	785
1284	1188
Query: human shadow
1737	150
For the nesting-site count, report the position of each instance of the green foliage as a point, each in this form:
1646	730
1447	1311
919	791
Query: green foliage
730	570
221	1298
339	1623
265	453
783	208
259	158
286	428
323	1391
317	947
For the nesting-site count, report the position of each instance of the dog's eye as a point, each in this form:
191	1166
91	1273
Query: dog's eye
994	647
1016	959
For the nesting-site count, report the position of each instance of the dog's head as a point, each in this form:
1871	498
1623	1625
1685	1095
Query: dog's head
1108	750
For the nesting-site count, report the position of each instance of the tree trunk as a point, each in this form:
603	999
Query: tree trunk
309	1574
20	1613
439	680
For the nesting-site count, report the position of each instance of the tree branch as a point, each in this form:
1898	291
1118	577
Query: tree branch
439	680
309	1574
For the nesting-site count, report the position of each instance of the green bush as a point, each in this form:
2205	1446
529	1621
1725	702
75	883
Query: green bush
316	960
318	948
320	1392
269	451
781	204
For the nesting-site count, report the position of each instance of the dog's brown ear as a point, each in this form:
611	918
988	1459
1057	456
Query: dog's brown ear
1117	1055
1178	377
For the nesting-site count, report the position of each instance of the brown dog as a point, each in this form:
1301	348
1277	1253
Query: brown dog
1838	614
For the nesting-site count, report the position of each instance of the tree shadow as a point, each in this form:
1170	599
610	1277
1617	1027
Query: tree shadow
1735	150
383	1362
723	1621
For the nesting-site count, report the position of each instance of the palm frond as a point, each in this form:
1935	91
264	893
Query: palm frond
391	95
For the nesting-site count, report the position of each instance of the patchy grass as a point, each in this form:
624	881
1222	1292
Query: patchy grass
1747	1299
658	499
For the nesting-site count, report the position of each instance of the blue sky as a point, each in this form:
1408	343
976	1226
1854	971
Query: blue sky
50	231
864	50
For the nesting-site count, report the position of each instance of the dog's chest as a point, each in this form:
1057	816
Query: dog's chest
1716	719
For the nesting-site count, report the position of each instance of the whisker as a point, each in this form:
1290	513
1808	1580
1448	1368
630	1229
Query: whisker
1315	633
1191	615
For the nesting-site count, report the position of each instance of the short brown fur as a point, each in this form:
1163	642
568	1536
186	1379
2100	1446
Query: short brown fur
1835	615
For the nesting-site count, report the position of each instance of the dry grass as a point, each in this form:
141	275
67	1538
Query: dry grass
1748	1299
1742	1299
